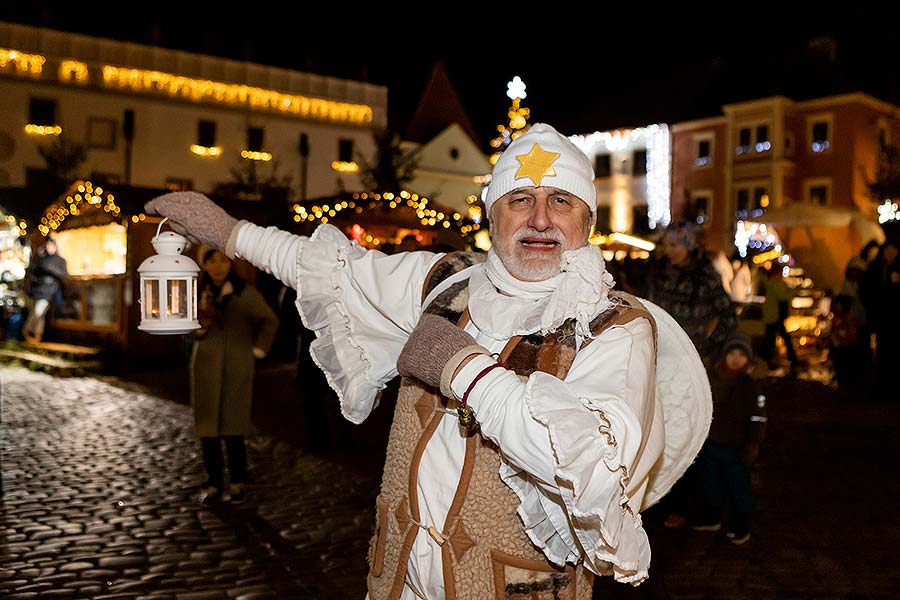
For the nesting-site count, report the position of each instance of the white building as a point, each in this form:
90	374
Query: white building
632	176
159	118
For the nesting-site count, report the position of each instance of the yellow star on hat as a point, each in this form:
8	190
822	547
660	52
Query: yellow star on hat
536	164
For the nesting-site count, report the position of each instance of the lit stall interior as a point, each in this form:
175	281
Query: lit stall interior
96	260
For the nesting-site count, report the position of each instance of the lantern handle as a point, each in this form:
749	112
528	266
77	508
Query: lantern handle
160	225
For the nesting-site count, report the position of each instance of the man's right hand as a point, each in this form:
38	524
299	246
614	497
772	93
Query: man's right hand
195	216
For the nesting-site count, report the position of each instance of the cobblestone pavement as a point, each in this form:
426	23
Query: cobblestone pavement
100	502
100	482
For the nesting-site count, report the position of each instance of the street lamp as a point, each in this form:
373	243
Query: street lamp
168	287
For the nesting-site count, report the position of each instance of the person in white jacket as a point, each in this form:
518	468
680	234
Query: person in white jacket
533	425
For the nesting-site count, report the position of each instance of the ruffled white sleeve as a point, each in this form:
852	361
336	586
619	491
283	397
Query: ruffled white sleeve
362	304
569	448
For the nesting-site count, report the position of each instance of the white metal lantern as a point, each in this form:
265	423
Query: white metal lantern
168	287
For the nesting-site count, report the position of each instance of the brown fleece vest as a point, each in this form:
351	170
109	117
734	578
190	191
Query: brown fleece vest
485	551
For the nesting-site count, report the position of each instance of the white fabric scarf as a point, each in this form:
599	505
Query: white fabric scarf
502	306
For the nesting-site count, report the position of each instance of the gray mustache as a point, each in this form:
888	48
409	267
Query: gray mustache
554	236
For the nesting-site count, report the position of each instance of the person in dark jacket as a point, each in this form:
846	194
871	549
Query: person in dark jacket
738	426
45	276
685	283
237	328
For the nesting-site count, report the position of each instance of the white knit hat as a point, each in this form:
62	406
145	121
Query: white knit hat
543	157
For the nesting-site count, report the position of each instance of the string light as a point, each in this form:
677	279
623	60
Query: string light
204	90
657	141
888	212
517	116
43	129
345	167
20	226
211	151
251	155
87	194
21	63
73	70
386	201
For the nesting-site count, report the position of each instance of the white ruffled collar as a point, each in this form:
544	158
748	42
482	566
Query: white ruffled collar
502	306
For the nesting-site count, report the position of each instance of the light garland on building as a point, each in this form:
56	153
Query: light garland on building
85	193
252	155
757	236
43	129
659	176
657	140
204	90
888	212
21	63
344	166
211	151
188	88
73	70
366	201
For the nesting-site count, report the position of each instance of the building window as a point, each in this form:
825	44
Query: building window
704	155
254	149
42	118
42	112
821	133
206	140
818	191
762	139
345	150
788	144
743	201
753	139
602	166
206	134
255	136
819	195
752	201
102	133
743	146
699	206
639	163
177	184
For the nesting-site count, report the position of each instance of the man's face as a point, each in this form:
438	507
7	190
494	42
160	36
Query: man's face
532	226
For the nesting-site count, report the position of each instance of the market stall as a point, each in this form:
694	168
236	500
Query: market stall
103	235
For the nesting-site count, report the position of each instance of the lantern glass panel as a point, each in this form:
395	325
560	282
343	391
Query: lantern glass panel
176	305
151	298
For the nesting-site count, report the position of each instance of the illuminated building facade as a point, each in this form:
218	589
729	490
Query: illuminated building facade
774	154
632	177
152	119
161	118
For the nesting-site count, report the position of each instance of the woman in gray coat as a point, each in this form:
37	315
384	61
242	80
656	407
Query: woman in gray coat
237	328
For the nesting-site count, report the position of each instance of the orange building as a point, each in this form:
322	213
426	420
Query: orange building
802	167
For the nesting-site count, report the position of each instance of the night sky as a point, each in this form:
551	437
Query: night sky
584	71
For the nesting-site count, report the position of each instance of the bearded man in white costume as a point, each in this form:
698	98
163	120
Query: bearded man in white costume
539	411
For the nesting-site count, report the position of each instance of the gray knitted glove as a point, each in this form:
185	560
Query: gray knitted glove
195	216
431	345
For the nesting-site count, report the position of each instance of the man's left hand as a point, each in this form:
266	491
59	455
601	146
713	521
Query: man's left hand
430	346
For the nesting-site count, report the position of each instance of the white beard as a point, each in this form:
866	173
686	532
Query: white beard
542	268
